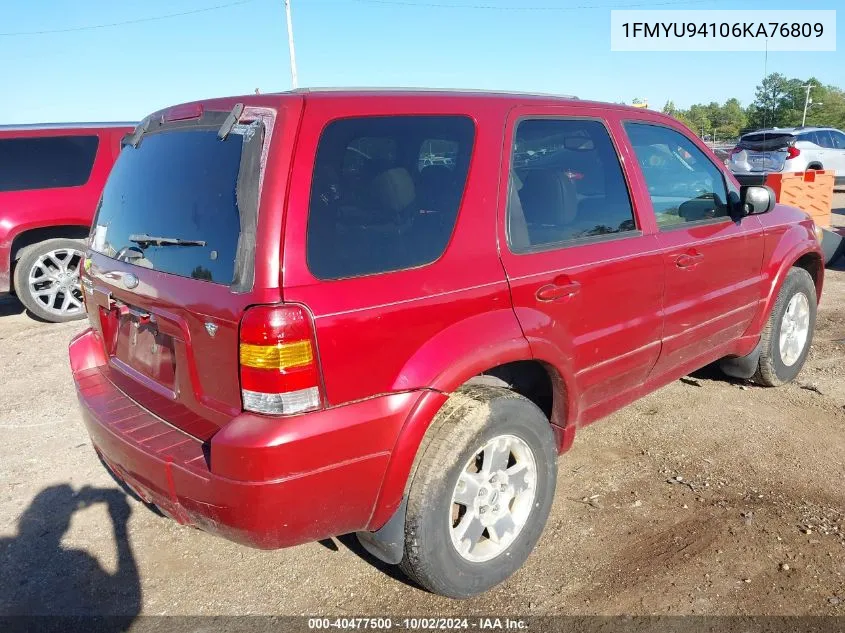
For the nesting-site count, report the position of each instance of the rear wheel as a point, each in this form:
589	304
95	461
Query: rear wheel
481	493
789	332
47	280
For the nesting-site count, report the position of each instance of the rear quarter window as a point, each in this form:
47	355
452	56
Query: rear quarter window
46	162
385	193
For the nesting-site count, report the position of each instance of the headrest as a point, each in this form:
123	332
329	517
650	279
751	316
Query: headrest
393	189
548	197
436	175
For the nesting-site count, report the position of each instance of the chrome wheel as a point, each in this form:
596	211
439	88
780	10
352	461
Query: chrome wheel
794	329
54	282
493	498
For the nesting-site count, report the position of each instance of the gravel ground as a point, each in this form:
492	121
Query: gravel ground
708	497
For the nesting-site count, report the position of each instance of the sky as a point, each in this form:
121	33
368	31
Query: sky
125	72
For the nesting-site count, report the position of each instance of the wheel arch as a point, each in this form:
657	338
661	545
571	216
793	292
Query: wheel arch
805	255
411	441
813	263
35	234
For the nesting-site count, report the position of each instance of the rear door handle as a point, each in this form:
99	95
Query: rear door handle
689	260
557	291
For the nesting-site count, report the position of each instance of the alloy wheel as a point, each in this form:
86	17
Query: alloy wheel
493	498
54	281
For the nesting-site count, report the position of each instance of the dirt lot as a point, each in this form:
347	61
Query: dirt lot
707	497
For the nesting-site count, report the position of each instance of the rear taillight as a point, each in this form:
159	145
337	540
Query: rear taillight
280	373
792	152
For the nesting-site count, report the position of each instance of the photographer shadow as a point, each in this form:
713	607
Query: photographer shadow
41	577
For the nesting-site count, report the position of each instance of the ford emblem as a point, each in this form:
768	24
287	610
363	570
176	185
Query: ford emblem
130	281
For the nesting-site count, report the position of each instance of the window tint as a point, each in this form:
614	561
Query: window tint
179	185
369	153
838	139
566	183
683	184
46	162
822	138
374	207
436	151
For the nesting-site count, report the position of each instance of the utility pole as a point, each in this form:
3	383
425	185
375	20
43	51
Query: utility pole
293	80
806	103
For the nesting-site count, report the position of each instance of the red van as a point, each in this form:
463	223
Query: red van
51	177
387	312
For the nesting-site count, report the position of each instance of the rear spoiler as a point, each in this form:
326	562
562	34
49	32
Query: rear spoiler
771	143
181	120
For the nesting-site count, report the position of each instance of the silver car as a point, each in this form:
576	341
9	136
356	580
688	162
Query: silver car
789	149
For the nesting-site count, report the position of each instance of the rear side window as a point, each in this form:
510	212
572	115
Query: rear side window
435	151
683	184
822	139
384	196
173	203
566	184
46	162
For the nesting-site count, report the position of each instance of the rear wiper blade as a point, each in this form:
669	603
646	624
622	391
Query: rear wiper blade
143	240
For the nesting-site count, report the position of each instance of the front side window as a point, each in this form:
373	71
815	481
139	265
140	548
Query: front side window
384	194
684	185
566	184
46	162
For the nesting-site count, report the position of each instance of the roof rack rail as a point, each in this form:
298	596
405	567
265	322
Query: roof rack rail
419	89
62	126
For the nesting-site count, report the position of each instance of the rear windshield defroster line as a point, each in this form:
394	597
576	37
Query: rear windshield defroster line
183	182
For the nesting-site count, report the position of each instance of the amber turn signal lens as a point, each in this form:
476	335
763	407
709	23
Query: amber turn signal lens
280	356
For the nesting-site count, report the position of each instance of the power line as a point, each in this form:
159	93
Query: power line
493	7
154	18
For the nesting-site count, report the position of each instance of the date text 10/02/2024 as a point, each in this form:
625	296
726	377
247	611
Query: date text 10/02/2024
419	624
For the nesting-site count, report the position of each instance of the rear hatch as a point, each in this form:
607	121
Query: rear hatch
171	262
762	152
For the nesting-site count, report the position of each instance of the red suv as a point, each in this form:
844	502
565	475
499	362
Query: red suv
316	313
51	177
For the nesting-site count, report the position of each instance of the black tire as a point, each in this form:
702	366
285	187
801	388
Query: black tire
29	257
771	370
471	417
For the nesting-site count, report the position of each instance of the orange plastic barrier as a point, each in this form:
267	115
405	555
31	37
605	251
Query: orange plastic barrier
810	191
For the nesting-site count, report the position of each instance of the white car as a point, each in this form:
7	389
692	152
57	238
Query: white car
788	150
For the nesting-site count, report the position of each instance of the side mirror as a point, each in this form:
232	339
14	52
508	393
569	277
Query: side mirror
755	200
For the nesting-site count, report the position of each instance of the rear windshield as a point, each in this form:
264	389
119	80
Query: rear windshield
385	193
171	204
46	162
767	141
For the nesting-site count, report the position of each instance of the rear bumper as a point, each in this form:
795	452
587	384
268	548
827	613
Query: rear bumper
259	481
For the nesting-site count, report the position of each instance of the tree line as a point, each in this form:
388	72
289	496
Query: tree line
778	102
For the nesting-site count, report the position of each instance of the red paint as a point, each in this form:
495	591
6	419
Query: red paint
22	211
611	321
